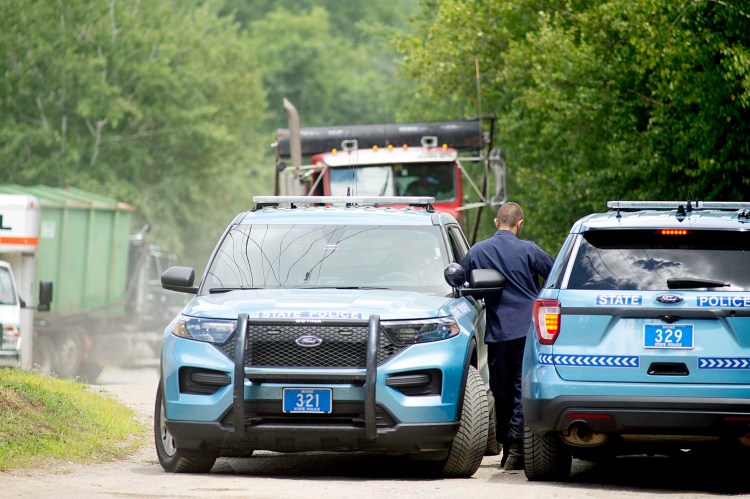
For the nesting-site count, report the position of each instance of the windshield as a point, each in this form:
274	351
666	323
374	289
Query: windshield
330	256
419	179
7	291
646	260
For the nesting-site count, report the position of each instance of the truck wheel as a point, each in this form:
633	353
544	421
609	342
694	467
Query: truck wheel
546	458
469	444
493	446
171	458
69	351
42	357
90	372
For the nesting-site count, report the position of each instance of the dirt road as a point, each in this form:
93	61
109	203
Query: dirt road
333	476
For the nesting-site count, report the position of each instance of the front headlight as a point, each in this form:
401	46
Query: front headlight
11	336
210	330
420	331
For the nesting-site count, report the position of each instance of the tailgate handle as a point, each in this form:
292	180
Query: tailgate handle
668	369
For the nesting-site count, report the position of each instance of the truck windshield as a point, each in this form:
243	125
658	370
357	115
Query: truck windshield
418	179
7	291
330	256
648	260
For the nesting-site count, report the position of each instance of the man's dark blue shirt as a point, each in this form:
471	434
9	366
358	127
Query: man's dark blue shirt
522	263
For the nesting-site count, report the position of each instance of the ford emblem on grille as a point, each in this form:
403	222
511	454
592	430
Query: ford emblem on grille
669	299
308	340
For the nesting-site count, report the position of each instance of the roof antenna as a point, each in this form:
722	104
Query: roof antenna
689	206
616	207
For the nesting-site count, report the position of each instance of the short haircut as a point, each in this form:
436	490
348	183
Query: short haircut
509	214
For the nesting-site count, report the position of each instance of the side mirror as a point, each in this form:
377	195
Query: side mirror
179	279
454	275
483	282
45	296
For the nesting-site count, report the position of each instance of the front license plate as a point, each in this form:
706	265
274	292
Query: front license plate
668	336
307	400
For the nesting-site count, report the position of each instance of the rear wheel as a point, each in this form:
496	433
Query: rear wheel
90	372
470	443
171	458
69	352
546	457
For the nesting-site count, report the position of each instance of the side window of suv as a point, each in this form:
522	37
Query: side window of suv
458	243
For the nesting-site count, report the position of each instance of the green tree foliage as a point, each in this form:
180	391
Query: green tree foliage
153	103
597	100
331	59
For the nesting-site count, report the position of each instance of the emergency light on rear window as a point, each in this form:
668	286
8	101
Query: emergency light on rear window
673	232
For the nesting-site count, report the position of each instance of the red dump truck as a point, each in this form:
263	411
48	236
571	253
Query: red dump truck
446	160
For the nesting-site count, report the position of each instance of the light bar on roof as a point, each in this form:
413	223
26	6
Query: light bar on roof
673	205
371	200
724	205
644	205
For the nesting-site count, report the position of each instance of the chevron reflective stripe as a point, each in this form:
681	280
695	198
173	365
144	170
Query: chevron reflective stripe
723	362
590	360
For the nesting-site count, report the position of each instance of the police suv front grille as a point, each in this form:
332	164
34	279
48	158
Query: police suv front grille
342	346
274	346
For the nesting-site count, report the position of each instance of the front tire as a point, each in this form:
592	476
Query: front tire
42	356
493	446
470	443
546	458
171	458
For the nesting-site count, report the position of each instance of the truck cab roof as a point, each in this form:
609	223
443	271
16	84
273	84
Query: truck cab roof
386	155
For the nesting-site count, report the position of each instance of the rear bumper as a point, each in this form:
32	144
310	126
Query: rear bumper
640	415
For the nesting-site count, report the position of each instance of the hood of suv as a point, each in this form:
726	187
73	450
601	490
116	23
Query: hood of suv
319	303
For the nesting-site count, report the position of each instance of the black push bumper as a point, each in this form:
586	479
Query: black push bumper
354	425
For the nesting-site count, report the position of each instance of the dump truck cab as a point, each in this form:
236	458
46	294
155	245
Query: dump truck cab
427	170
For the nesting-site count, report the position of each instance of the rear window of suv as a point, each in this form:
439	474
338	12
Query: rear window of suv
645	259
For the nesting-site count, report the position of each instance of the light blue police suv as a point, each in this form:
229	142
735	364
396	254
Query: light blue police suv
329	324
641	337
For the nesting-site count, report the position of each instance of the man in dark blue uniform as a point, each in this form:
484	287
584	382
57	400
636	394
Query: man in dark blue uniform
508	320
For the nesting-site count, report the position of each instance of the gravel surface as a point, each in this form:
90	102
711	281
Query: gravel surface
333	476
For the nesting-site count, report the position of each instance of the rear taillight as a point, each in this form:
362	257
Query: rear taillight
547	320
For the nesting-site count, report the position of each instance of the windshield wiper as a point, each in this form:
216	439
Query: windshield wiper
341	287
224	290
695	283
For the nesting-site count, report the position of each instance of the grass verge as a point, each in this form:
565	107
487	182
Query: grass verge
43	417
